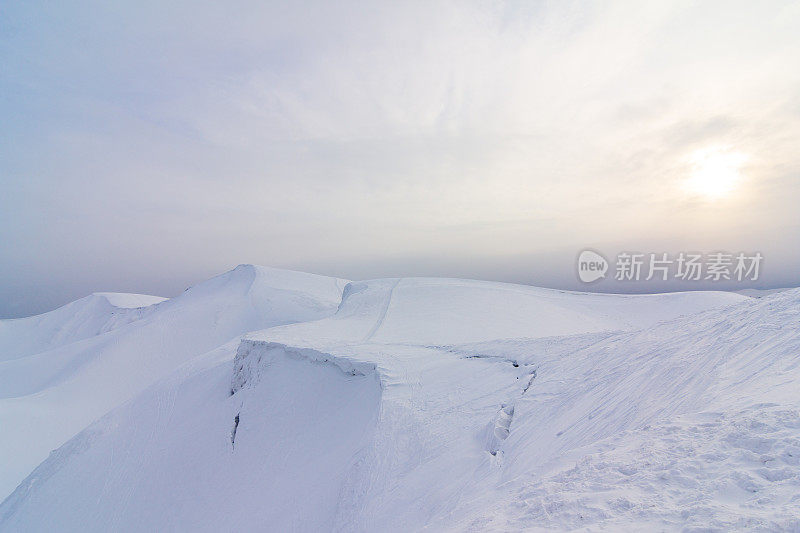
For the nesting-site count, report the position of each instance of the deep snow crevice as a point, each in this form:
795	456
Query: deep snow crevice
501	423
233	431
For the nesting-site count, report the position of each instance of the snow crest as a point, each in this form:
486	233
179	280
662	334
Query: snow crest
253	358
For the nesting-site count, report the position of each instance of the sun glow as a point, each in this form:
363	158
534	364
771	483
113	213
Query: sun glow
715	172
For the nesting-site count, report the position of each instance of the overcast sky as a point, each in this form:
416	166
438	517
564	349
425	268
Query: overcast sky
145	146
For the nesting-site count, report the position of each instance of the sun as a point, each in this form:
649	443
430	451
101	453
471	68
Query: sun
715	172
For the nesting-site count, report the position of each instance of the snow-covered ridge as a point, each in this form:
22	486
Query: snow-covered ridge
76	366
129	300
346	405
435	311
87	317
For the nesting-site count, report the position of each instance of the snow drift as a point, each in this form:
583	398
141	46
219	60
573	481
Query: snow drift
48	396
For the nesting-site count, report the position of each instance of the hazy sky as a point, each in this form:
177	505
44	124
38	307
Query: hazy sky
145	146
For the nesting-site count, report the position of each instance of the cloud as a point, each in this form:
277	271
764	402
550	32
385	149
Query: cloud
346	135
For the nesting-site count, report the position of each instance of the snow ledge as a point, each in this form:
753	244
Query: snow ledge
254	356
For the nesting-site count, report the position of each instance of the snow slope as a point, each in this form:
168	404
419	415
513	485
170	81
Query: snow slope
719	470
689	424
415	403
433	311
49	396
81	319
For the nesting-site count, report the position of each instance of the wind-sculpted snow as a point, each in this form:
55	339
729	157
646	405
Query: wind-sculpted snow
712	471
254	357
49	396
411	404
171	461
90	316
718	366
432	311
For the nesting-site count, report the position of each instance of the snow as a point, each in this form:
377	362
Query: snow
268	399
130	301
49	396
81	319
707	471
431	311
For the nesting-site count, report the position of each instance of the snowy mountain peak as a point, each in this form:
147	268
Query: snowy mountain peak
309	403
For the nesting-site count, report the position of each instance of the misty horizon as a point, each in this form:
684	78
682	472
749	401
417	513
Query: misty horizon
147	147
